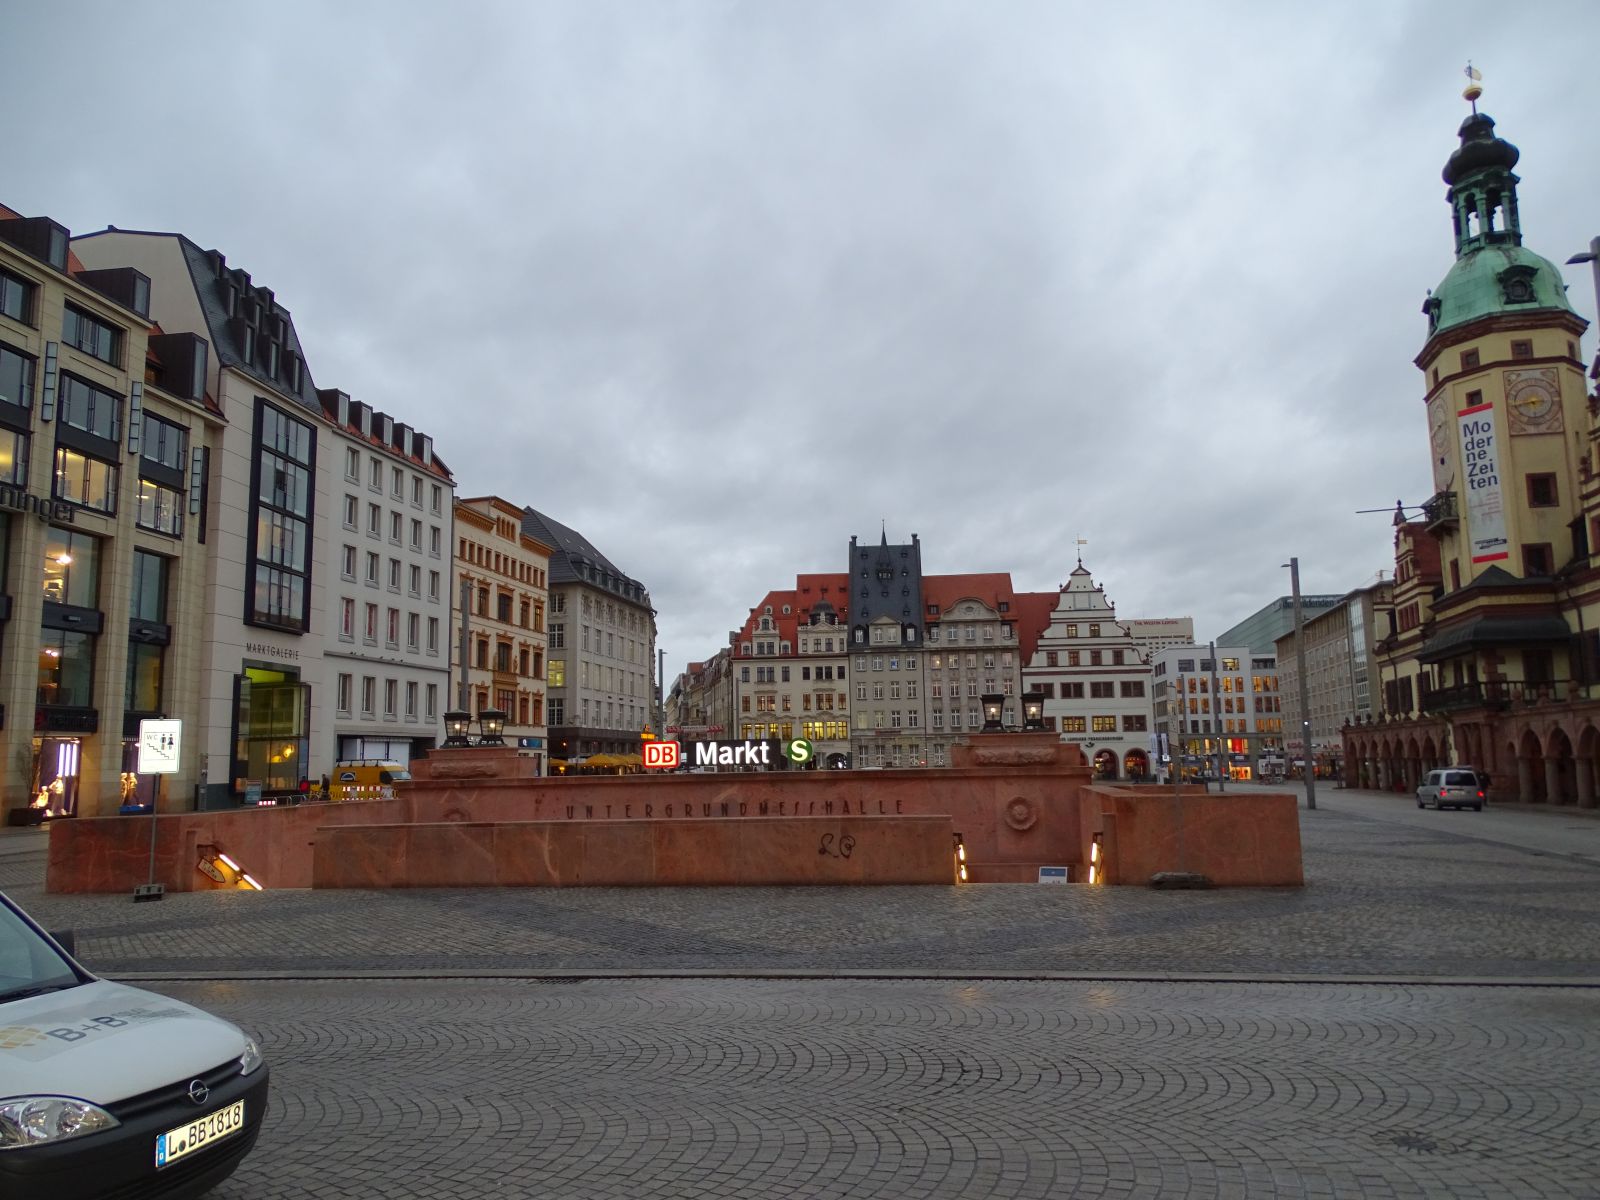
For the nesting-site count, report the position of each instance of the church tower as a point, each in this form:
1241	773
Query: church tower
1506	396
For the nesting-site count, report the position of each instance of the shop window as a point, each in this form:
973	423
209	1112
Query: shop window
272	731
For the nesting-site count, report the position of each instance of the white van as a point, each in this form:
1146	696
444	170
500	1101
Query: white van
109	1090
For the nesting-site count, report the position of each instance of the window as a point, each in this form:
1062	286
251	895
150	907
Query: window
413	631
1537	560
432	711
415	580
350	511
1542	490
16	378
71	568
347	562
433	585
352	469
1133	688
1072	725
394	574
392	627
159	508
397	483
89	333
141	691
1105	725
91	409
16	297
149	599
391	691
85	481
433	635
66	668
433	540
283	516
370	629
411	701
374	475
437	495
1134	724
1521	348
369	695
345	688
374	520
396	524
1469	360
372	568
1102	690
416	535
164	443
347	619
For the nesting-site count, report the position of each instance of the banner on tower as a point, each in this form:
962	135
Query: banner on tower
1480	456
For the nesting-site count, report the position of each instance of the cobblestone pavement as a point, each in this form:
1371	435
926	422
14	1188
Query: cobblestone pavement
1384	898
917	1088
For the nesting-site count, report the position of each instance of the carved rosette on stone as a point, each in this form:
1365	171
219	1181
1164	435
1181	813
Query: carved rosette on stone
1021	814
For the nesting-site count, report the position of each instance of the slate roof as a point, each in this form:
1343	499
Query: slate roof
571	552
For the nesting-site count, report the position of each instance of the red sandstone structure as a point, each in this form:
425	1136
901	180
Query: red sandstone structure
471	817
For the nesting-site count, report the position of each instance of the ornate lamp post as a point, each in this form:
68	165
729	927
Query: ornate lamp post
1032	711
492	722
456	724
993	705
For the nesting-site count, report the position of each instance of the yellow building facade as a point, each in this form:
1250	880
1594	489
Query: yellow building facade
1492	655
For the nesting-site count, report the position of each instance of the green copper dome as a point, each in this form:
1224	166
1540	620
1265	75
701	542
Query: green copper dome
1493	280
1493	273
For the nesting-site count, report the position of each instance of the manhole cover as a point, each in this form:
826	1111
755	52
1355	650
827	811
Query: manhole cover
1415	1141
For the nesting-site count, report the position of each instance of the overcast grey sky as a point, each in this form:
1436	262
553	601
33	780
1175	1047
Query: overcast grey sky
720	284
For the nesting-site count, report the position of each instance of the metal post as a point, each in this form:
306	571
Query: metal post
1216	716
461	688
1305	692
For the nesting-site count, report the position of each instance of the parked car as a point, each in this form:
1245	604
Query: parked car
1453	787
107	1090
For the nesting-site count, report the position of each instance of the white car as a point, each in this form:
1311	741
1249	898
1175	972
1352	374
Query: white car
107	1090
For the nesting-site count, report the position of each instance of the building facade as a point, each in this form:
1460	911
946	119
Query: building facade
1340	645
974	650
502	576
105	431
1217	710
387	641
1261	630
265	726
790	668
1095	680
1491	655
601	676
886	641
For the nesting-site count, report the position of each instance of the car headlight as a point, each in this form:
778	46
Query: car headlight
38	1120
251	1058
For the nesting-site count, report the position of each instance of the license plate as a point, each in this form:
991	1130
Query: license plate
197	1135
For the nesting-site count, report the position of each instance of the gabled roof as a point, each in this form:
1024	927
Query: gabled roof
945	591
829	592
572	554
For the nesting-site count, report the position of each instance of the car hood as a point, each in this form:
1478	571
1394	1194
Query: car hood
104	1042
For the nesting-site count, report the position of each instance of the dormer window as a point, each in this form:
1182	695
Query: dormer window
1516	283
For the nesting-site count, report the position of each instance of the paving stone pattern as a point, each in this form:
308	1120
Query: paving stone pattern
858	1088
1382	899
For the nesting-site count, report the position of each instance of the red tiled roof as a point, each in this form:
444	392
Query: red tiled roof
945	591
807	592
1033	618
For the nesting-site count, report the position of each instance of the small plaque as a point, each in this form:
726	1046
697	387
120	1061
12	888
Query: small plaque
1053	875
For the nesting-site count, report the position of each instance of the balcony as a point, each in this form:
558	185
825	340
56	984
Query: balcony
1497	695
1440	512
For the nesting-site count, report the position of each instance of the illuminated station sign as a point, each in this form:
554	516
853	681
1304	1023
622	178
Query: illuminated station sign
771	754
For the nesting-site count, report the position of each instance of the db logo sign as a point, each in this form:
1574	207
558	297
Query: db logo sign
662	756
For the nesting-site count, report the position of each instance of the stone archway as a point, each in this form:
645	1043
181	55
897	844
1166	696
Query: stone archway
1105	764
1430	757
1559	769
1528	756
1411	768
1136	766
1584	766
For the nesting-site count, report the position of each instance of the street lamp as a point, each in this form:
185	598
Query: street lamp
492	721
993	704
1308	763
1593	259
1032	711
456	724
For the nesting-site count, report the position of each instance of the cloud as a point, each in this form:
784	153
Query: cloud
721	285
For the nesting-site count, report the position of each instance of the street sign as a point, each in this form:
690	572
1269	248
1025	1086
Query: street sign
159	744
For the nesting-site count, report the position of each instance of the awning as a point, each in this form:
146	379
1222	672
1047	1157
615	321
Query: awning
1491	632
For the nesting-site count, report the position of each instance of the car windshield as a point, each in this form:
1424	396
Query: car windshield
29	965
1461	779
